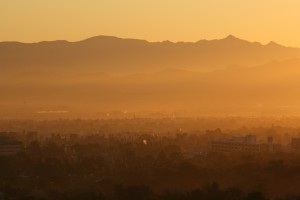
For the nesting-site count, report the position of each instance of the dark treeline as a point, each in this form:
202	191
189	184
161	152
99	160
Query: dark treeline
143	165
210	192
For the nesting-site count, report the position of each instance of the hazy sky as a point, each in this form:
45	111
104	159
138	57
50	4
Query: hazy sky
154	20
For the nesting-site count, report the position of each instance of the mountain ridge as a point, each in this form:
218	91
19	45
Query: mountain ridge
94	38
113	55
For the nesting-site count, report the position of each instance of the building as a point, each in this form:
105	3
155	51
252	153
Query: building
245	144
295	144
9	145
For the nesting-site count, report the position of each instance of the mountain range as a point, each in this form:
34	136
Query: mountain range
226	76
112	55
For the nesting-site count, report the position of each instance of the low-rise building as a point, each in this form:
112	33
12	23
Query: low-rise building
9	145
246	144
236	144
295	144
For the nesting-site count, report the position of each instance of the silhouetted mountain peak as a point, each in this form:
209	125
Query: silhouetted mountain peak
274	44
232	37
167	42
62	42
100	38
111	39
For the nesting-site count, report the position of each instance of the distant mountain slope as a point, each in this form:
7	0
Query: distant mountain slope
104	54
272	87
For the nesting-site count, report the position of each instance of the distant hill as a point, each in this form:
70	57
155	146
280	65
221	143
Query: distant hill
271	88
112	55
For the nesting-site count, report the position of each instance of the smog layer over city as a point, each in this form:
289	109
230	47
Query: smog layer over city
150	100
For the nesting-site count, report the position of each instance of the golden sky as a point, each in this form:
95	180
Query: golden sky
154	20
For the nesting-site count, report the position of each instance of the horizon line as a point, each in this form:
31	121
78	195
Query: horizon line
230	36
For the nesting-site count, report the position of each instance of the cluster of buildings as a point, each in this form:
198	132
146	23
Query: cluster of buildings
235	144
9	145
244	144
295	144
